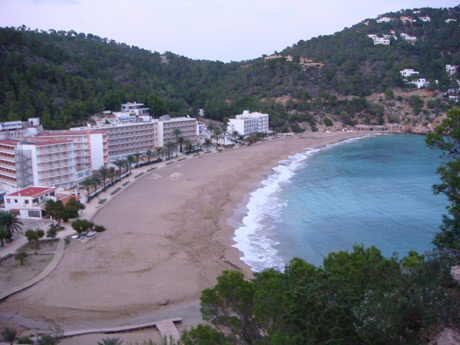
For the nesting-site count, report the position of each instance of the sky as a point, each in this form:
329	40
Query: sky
225	30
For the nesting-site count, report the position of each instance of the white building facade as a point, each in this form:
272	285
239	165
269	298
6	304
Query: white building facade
249	123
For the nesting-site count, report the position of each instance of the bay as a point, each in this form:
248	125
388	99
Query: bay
373	191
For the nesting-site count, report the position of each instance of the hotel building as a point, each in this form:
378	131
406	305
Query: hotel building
166	126
91	147
8	179
37	162
248	123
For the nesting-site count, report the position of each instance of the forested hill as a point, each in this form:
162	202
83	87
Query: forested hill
64	77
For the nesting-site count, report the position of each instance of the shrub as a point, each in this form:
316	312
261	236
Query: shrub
51	233
31	235
21	257
25	340
328	122
99	228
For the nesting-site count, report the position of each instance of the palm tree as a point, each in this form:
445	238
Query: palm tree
177	132
4	235
86	184
112	174
119	163
103	174
170	146
159	149
149	155
217	133
130	159
234	135
137	155
164	151
181	142
110	341
11	223
9	335
188	146
96	181
207	143
55	209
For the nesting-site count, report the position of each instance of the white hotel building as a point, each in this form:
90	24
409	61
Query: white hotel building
248	123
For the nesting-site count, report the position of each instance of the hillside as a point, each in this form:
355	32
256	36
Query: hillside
64	77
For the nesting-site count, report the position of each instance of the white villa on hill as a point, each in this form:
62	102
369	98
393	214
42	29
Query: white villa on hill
384	20
408	37
422	82
407	72
451	70
380	40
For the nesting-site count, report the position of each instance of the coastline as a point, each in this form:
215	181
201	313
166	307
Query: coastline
247	221
168	237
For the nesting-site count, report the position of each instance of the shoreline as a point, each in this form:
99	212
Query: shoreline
242	212
167	238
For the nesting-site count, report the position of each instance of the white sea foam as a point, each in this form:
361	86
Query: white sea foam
254	237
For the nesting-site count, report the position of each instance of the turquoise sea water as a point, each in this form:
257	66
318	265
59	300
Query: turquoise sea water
372	191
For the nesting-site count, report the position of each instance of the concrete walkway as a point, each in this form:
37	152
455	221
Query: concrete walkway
51	266
167	329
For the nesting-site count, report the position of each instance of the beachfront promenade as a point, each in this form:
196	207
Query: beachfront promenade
166	328
92	207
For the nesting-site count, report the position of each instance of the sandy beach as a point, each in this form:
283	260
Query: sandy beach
167	239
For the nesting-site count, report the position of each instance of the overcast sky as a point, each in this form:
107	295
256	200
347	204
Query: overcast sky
225	30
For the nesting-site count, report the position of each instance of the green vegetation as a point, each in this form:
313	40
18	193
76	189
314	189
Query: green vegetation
116	191
66	76
9	223
447	138
355	298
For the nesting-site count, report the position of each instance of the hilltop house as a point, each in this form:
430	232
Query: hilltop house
407	19
407	72
450	20
379	40
451	69
384	20
425	19
408	37
422	82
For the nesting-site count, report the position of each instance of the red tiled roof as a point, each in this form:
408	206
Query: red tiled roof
33	192
66	198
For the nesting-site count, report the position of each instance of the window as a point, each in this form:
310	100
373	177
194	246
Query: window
34	214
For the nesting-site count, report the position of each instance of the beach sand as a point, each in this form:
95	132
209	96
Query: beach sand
167	239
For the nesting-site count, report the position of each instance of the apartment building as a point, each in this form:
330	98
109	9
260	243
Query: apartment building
128	138
91	147
8	179
46	162
166	126
248	123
